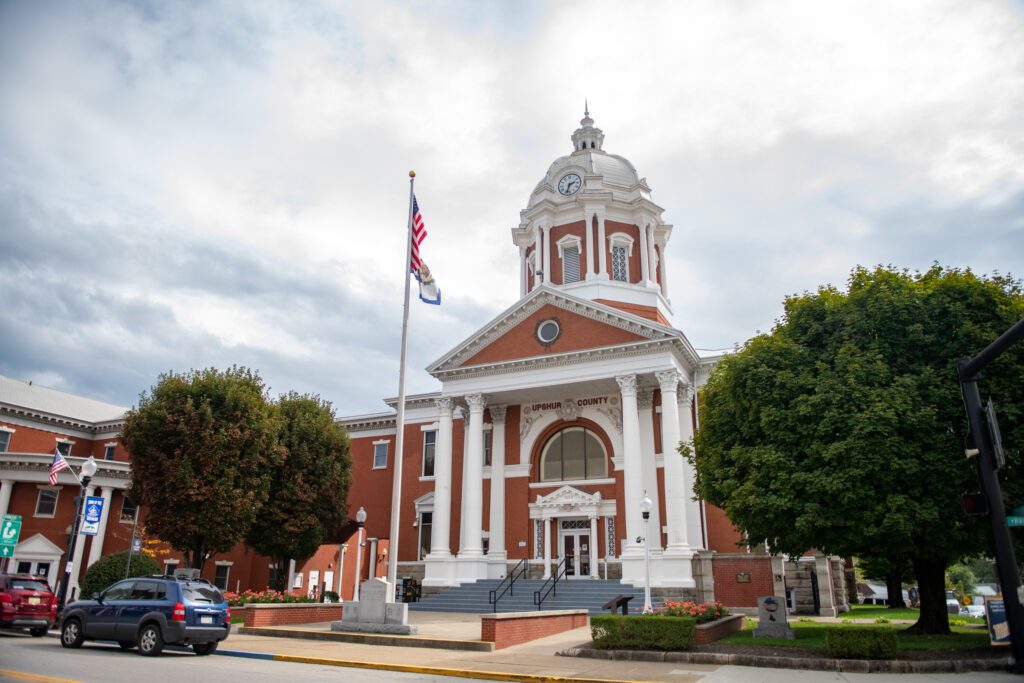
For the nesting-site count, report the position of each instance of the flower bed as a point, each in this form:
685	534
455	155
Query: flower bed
267	597
702	612
672	626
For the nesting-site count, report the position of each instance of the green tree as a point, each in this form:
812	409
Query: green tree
893	571
111	568
844	430
309	485
961	580
204	449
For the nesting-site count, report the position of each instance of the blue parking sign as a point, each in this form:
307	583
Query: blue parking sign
92	515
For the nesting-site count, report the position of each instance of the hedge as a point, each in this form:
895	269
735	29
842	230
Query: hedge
110	569
618	632
851	642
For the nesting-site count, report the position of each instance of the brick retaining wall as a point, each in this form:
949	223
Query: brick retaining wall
718	629
287	614
506	630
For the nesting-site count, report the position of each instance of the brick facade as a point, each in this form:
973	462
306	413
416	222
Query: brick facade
506	630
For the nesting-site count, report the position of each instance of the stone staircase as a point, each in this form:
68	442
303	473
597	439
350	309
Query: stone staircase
588	594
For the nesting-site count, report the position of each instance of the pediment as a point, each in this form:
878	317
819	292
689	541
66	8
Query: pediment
584	325
37	546
569	496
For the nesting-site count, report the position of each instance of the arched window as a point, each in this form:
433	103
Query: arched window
573	453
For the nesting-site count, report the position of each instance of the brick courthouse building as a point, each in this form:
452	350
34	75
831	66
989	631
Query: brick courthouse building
552	423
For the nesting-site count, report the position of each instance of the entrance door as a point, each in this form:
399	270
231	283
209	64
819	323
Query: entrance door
577	553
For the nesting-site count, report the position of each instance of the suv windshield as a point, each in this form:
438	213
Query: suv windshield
202	592
28	585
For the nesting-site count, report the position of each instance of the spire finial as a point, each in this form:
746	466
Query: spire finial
586	107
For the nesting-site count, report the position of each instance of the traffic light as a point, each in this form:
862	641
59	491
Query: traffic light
974	504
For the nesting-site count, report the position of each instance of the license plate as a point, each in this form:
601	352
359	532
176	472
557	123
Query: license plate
205	620
35	601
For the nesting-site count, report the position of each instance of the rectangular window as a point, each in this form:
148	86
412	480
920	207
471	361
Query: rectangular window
128	510
272	576
24	567
426	522
46	503
380	455
5	440
220	579
108	453
620	270
169	568
429	449
64	447
487	449
570	265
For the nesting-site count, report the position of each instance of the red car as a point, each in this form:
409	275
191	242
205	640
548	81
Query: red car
26	601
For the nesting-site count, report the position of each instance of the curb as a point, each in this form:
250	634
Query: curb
370	639
812	663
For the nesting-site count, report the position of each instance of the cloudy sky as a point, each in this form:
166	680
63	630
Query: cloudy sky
192	184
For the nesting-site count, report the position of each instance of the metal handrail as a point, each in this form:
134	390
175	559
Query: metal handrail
494	596
539	596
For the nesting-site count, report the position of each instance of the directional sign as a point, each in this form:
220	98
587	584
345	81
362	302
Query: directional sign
91	516
10	530
1015	521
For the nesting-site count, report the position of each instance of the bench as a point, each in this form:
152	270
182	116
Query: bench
617	602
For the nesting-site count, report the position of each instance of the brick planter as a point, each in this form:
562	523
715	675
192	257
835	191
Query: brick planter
513	628
717	629
287	614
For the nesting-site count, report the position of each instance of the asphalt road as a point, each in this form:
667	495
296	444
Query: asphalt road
43	660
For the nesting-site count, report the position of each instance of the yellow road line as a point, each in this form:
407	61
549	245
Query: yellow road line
37	678
440	671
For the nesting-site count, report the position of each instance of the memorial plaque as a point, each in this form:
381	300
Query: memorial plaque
771	619
374	612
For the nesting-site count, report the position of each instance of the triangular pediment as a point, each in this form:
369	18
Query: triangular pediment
37	546
583	325
569	496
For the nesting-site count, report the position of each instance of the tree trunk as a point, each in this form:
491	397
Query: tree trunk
281	575
931	581
894	584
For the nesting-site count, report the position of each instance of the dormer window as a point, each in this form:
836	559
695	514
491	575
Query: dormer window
569	252
622	249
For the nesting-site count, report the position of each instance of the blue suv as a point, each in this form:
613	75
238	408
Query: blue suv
149	612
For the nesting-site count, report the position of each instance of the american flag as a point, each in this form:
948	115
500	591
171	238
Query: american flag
58	464
419	233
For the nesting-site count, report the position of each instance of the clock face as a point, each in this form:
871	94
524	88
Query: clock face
569	184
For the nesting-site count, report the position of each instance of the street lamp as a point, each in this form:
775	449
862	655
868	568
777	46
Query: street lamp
85	476
361	522
645	507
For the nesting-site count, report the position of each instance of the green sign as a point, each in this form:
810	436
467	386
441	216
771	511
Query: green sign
10	530
1015	521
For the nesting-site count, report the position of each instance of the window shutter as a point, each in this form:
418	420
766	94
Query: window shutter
570	265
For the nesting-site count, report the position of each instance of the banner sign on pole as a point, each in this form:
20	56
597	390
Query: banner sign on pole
998	629
91	516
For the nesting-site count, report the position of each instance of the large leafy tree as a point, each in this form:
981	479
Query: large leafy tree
204	449
309	485
844	429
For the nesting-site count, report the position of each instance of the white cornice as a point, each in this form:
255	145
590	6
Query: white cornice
104	427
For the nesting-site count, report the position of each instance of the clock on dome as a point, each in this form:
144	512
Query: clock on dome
569	184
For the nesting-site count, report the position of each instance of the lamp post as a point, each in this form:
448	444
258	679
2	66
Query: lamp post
645	508
361	522
86	474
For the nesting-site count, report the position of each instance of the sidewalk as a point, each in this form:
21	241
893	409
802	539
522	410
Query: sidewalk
535	662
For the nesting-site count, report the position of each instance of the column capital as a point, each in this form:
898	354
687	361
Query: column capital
627	384
445	403
668	379
685	395
476	403
645	398
497	413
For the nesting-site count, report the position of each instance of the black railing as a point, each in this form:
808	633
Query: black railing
539	596
518	572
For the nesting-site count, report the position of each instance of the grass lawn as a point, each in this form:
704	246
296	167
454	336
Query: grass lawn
812	635
908	613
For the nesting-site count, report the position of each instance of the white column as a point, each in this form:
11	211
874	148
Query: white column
465	480
632	467
594	557
522	271
547	253
645	404
676	490
6	487
547	548
76	568
588	219
371	572
440	541
649	231
341	571
602	249
96	547
497	521
664	273
694	532
473	504
291	576
538	257
645	269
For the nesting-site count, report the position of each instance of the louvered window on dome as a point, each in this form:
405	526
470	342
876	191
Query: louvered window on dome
573	453
570	265
620	269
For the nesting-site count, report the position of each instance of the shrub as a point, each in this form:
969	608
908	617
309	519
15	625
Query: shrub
703	613
861	643
266	597
617	632
110	568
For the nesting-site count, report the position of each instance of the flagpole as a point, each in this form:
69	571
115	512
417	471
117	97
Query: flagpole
396	485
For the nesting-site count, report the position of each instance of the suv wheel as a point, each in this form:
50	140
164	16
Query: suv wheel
71	633
203	649
151	642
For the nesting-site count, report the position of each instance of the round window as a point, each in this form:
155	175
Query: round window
548	331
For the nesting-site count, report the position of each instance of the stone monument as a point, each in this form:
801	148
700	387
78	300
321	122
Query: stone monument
375	612
772	622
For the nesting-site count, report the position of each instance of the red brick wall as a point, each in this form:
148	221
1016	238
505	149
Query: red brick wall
722	535
718	629
282	615
32	440
508	632
558	232
649	312
733	594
